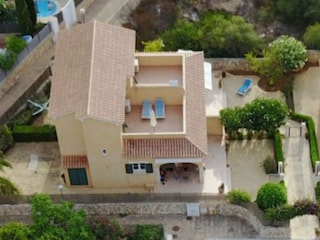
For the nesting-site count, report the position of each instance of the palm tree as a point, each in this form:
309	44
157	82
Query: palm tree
6	187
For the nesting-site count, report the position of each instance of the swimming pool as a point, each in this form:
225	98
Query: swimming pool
45	8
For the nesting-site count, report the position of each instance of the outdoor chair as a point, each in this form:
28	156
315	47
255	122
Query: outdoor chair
160	108
244	88
146	109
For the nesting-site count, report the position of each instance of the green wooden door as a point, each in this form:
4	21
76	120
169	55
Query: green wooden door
78	176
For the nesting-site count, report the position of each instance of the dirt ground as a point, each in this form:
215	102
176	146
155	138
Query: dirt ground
44	177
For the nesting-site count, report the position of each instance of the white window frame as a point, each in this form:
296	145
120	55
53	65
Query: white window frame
141	167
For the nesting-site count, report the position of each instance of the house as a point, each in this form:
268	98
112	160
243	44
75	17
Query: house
122	116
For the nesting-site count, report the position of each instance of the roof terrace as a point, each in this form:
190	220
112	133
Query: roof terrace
156	77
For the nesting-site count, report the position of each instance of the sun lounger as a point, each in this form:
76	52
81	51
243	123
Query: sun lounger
160	108
146	109
244	88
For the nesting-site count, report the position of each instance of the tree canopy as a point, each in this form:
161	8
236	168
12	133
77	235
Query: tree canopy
299	12
258	115
311	37
57	221
215	34
283	55
6	186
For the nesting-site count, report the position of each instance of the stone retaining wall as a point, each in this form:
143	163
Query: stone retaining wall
22	212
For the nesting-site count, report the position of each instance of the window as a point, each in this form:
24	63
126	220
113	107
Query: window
139	168
78	176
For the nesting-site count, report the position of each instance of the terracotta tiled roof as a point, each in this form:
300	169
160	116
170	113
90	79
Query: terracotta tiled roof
196	125
160	148
92	63
74	161
195	142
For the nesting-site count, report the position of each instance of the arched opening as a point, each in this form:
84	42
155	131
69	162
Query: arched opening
187	172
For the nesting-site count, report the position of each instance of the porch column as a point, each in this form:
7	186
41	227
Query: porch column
201	172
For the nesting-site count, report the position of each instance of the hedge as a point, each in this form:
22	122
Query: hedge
313	144
25	133
238	197
286	211
277	144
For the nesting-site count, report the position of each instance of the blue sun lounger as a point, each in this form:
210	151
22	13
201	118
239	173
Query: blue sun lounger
247	84
160	108
146	109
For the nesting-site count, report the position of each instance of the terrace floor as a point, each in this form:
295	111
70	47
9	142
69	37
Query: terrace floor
173	121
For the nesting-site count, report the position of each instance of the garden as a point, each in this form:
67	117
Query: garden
57	221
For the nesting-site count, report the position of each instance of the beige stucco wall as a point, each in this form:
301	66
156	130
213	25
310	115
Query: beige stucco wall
109	171
214	126
159	60
69	132
171	95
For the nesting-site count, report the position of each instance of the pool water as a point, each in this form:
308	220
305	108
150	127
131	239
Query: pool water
45	8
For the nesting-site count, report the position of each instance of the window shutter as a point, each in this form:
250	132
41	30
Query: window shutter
149	168
129	168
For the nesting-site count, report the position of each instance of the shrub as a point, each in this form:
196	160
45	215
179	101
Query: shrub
14	231
104	228
312	37
271	195
240	136
249	134
283	212
22	118
16	44
313	143
305	206
7	60
277	144
270	165
147	232
291	52
6	138
45	133
238	197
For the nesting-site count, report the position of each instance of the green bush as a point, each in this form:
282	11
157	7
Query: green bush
270	165
277	144
313	143
271	195
240	136
238	197
45	133
22	118
286	212
283	212
6	138
15	44
292	52
312	37
147	232
14	231
104	228
249	134
7	60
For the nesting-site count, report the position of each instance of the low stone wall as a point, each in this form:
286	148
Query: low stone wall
22	212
